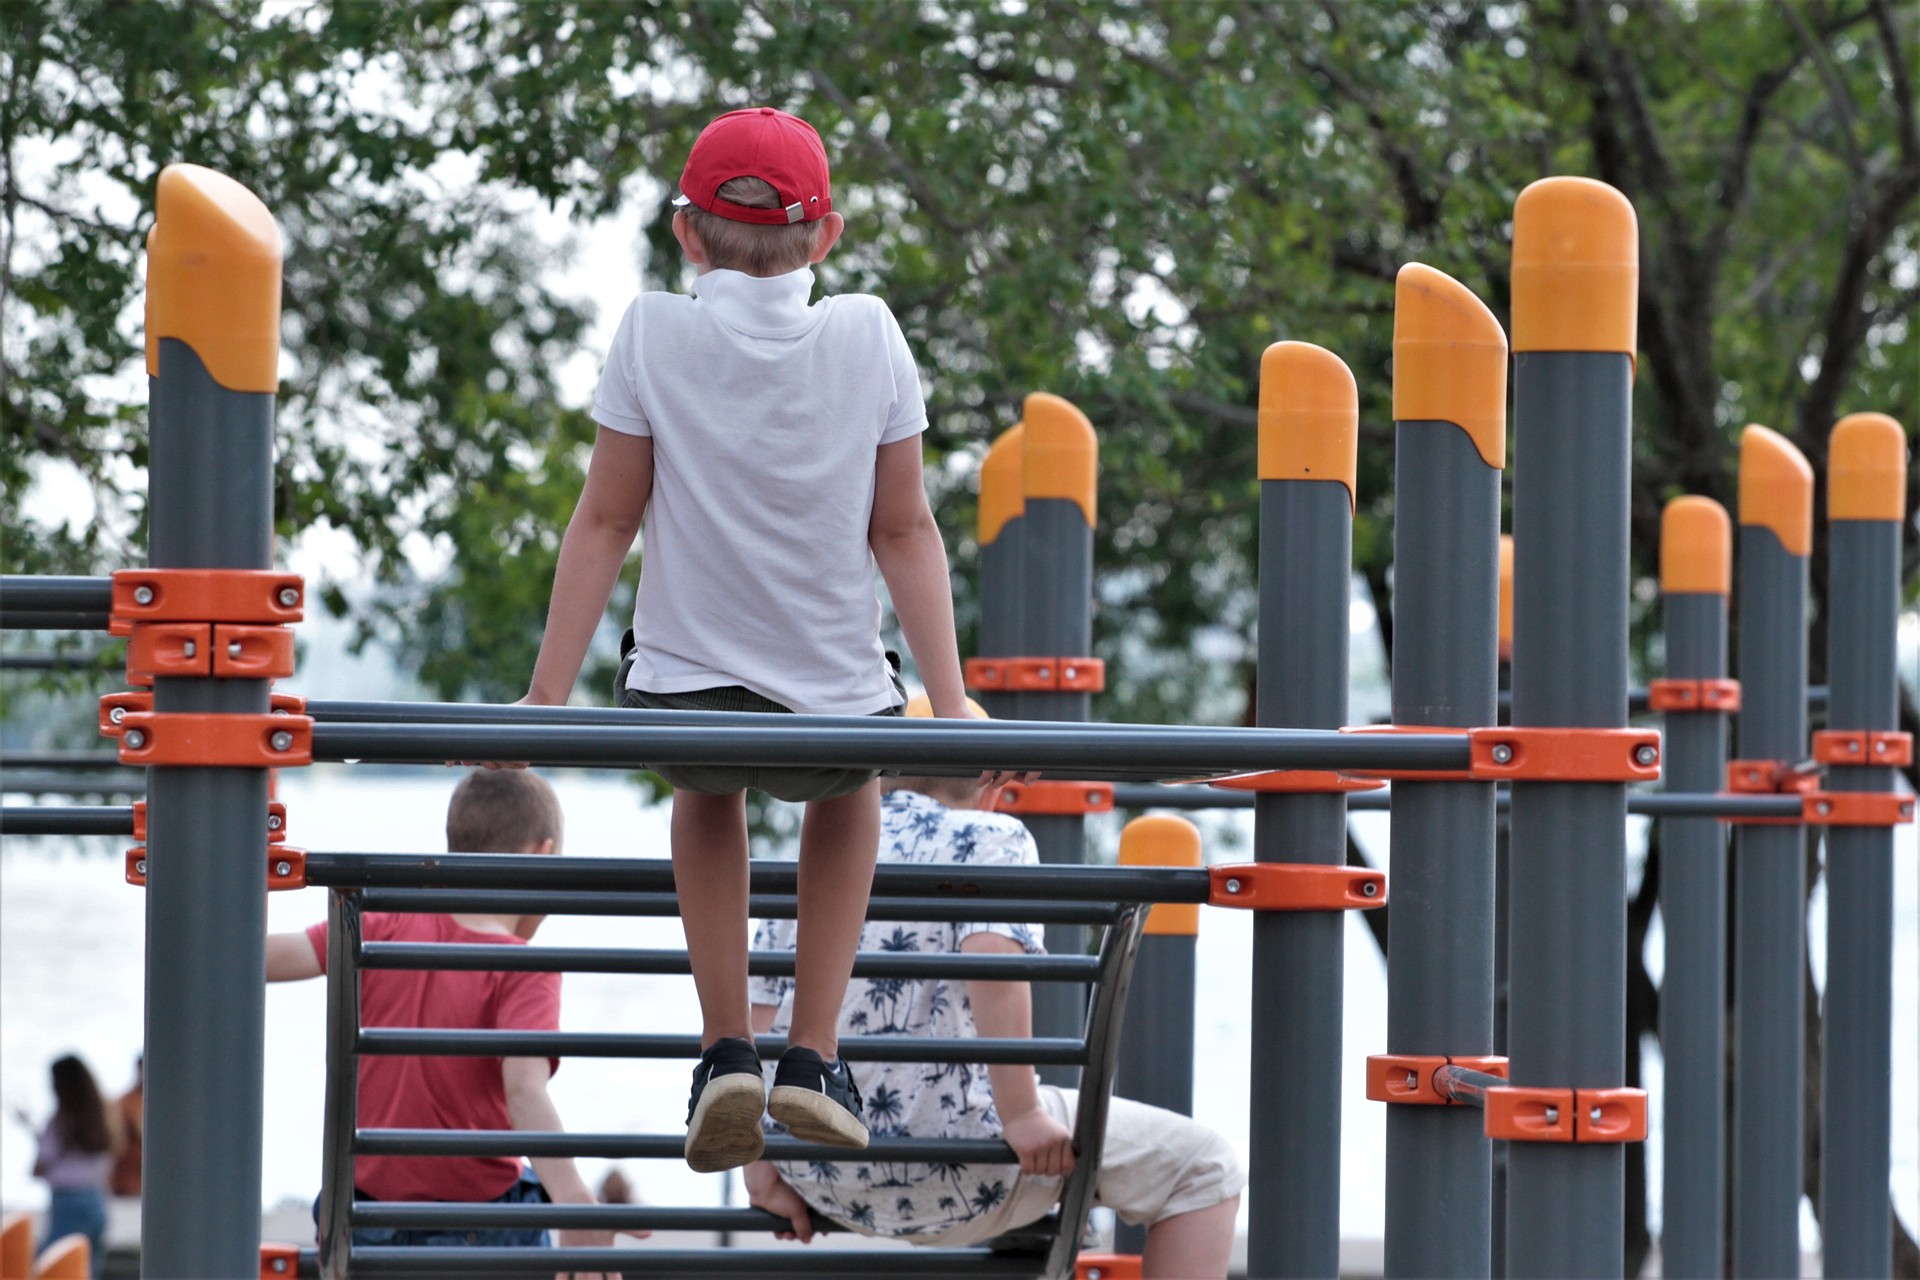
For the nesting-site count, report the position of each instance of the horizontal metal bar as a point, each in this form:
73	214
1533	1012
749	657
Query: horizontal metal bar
51	620
541	872
441	1042
97	761
1465	1085
1656	804
760	906
66	820
55	593
1707	804
60	661
767	964
73	784
584	1217
899	744
471	1143
750	1264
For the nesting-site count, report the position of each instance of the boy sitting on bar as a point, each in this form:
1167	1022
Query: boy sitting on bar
503	811
1160	1168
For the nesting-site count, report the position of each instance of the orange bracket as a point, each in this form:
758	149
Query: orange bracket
1294	782
222	650
1856	809
1296	886
1107	1266
183	738
259	596
279	1261
286	866
1408	1077
1693	695
1036	675
1565	755
1521	1114
115	707
1770	778
1863	747
276	821
1055	797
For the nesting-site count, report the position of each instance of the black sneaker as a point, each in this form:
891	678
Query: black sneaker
723	1115
816	1102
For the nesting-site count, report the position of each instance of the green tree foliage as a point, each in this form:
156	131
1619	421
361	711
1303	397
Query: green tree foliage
1122	202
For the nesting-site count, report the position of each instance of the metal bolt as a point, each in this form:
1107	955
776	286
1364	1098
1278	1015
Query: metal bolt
281	740
1823	808
143	595
1068	673
1045	673
135	739
1853	746
1645	754
284	868
1906	809
233	648
1594	1115
1369	890
1413	1081
187	649
117	715
1879	747
275	822
1233	886
1753	775
1502	754
1553	1115
140	866
289	597
1095	1273
280	1264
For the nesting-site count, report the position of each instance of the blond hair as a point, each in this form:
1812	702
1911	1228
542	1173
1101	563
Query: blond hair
502	811
759	249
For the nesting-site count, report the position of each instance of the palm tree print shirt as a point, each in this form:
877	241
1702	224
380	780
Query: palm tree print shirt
926	1100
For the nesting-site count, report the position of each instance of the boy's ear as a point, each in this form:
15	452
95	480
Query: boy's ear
690	239
830	228
545	846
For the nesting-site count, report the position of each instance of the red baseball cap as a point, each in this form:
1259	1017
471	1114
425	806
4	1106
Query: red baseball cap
763	143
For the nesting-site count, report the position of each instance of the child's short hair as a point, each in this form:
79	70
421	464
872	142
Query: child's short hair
502	811
755	248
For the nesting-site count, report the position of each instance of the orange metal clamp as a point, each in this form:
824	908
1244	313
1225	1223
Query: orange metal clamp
1856	809
1524	1114
279	1261
286	867
1408	1077
1055	797
1295	886
1862	747
1528	754
1294	782
116	707
259	596
181	738
220	650
1693	695
276	821
1769	778
1107	1266
1030	675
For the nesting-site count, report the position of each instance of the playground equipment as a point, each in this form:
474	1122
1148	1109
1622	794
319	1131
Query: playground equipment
208	630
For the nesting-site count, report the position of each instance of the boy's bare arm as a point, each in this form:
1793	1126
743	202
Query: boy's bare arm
598	538
1004	1011
530	1108
291	958
906	545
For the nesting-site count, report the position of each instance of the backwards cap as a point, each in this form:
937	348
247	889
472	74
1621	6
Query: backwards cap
759	142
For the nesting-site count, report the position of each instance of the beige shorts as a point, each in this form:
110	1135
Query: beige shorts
1156	1164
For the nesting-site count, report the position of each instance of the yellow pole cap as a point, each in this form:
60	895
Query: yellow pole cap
1001	497
1309	416
1776	488
1449	359
1576	268
1506	596
1060	456
1161	840
213	278
1696	548
1866	468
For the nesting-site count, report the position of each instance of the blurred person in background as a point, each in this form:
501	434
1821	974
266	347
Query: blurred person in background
75	1157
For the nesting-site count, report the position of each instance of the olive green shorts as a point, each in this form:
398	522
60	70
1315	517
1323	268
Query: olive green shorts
796	785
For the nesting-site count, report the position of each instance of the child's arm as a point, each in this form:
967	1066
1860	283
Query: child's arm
530	1108
1004	1010
604	525
291	958
906	545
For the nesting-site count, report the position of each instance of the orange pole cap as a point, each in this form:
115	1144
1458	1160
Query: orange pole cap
1576	268
213	278
1060	455
1449	359
1506	596
1776	488
1001	493
1696	548
1161	840
1309	416
1866	468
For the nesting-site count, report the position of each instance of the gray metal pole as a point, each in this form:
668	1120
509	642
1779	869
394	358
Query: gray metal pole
1696	576
1769	887
1502	864
341	1114
999	528
1575	278
1866	500
1309	432
1158	1067
213	304
1059	471
1449	406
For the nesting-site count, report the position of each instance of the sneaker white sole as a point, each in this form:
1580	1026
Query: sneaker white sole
814	1117
725	1130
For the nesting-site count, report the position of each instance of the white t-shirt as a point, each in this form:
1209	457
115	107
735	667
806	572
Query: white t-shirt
765	413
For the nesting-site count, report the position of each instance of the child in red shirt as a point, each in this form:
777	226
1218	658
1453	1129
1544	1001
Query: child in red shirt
491	812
